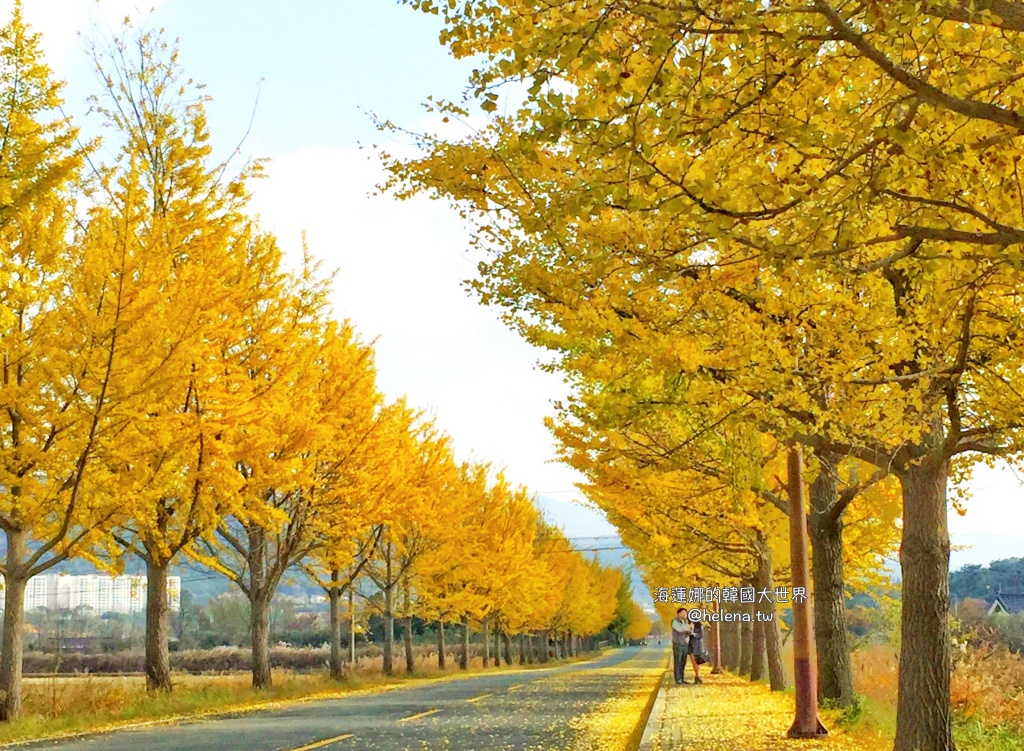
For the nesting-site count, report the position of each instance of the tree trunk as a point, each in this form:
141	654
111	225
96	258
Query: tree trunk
464	655
440	646
733	640
923	711
158	659
497	643
716	643
757	656
545	655
773	649
769	619
825	522
506	643
726	641
12	644
352	623
259	618
746	641
486	629
334	595
522	649
389	624
410	659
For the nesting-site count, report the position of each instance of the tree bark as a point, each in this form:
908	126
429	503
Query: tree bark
389	624
12	644
522	649
352	624
730	645
497	643
259	617
716	643
506	643
923	718
334	595
769	619
835	673
757	656
545	655
746	641
158	659
410	659
486	629
464	654
440	646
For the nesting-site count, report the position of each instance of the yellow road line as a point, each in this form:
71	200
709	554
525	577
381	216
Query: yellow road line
321	744
478	698
418	716
516	686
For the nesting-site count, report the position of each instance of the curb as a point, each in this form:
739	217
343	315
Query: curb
655	711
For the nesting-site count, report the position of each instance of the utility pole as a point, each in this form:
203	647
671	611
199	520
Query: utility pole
807	724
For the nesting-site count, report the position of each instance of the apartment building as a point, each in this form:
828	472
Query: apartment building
99	592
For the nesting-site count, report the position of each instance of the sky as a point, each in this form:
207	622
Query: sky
307	76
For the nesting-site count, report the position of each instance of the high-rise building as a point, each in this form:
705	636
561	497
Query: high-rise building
99	592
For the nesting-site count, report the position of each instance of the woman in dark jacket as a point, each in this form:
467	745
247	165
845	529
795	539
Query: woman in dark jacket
696	648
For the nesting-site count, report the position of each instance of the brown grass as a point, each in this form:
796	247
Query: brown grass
876	674
988	685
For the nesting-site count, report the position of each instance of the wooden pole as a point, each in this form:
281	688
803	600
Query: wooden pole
806	724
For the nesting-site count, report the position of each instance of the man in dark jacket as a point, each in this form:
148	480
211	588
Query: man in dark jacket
681	633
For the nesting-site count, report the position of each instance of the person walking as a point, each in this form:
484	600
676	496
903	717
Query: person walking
697	649
681	633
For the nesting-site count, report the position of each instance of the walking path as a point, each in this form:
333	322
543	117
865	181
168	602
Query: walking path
729	713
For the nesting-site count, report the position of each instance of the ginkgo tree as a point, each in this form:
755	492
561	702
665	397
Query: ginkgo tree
660	144
43	459
310	395
164	201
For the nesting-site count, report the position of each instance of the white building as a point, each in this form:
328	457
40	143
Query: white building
37	593
99	592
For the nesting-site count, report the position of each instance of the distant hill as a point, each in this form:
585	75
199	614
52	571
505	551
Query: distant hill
203	585
610	551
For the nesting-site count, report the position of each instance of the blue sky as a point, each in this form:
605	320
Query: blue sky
320	67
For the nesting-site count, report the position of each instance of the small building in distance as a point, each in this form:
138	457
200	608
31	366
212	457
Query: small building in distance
1010	603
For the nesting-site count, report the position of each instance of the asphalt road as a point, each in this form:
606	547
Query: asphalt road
524	710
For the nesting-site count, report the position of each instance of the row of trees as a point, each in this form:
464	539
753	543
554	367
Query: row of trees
171	389
752	230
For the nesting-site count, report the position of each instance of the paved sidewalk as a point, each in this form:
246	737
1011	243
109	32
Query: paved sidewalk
729	713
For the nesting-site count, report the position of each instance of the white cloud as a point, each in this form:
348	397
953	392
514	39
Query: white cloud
401	266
